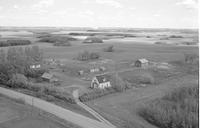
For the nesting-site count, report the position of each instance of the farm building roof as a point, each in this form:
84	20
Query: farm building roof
47	75
143	60
103	78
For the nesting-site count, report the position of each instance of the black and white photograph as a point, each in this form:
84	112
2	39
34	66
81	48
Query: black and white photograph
99	63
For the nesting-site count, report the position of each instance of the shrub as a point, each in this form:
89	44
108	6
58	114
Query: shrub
178	109
85	56
96	93
18	81
34	73
175	36
119	84
109	49
62	44
191	58
158	42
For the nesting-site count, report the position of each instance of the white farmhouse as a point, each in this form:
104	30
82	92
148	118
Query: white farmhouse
101	81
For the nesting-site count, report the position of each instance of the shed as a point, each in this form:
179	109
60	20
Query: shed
101	81
94	70
49	77
141	62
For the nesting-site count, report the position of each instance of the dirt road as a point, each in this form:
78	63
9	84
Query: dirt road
90	110
60	112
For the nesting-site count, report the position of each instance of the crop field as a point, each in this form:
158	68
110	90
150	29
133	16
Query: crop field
164	49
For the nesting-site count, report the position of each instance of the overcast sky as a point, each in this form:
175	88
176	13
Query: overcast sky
100	13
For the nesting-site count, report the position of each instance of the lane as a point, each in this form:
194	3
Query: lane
60	112
90	110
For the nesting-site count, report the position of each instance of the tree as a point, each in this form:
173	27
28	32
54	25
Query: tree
2	56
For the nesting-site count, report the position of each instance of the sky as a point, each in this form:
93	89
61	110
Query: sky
100	13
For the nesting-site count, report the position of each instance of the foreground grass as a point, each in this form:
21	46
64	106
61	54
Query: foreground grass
178	109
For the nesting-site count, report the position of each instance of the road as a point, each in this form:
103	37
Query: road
58	111
90	110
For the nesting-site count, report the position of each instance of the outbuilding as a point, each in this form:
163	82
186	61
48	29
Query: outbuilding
141	62
101	81
49	77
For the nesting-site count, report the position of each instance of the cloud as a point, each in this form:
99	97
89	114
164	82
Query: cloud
156	15
88	12
132	8
112	3
44	4
15	6
190	4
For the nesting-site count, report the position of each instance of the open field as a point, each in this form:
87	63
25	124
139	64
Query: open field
119	108
15	114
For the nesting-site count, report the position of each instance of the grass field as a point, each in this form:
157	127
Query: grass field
18	115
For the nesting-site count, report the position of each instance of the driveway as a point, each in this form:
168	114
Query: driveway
60	112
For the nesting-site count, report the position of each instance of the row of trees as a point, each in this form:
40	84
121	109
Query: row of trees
178	109
17	60
14	43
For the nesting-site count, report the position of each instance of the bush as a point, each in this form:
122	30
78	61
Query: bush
178	109
49	92
34	73
85	56
119	84
62	44
160	42
96	93
175	36
18	81
109	49
191	58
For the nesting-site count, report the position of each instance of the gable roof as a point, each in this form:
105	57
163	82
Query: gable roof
47	75
143	60
103	78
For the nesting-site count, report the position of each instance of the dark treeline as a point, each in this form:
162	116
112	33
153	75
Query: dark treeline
17	60
14	43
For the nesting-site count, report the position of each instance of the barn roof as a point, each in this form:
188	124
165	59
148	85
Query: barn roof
47	75
143	60
103	78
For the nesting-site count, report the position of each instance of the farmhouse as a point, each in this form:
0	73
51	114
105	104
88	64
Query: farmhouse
101	81
141	62
48	77
94	70
35	66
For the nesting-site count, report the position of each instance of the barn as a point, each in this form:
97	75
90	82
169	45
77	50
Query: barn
101	81
49	77
141	62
